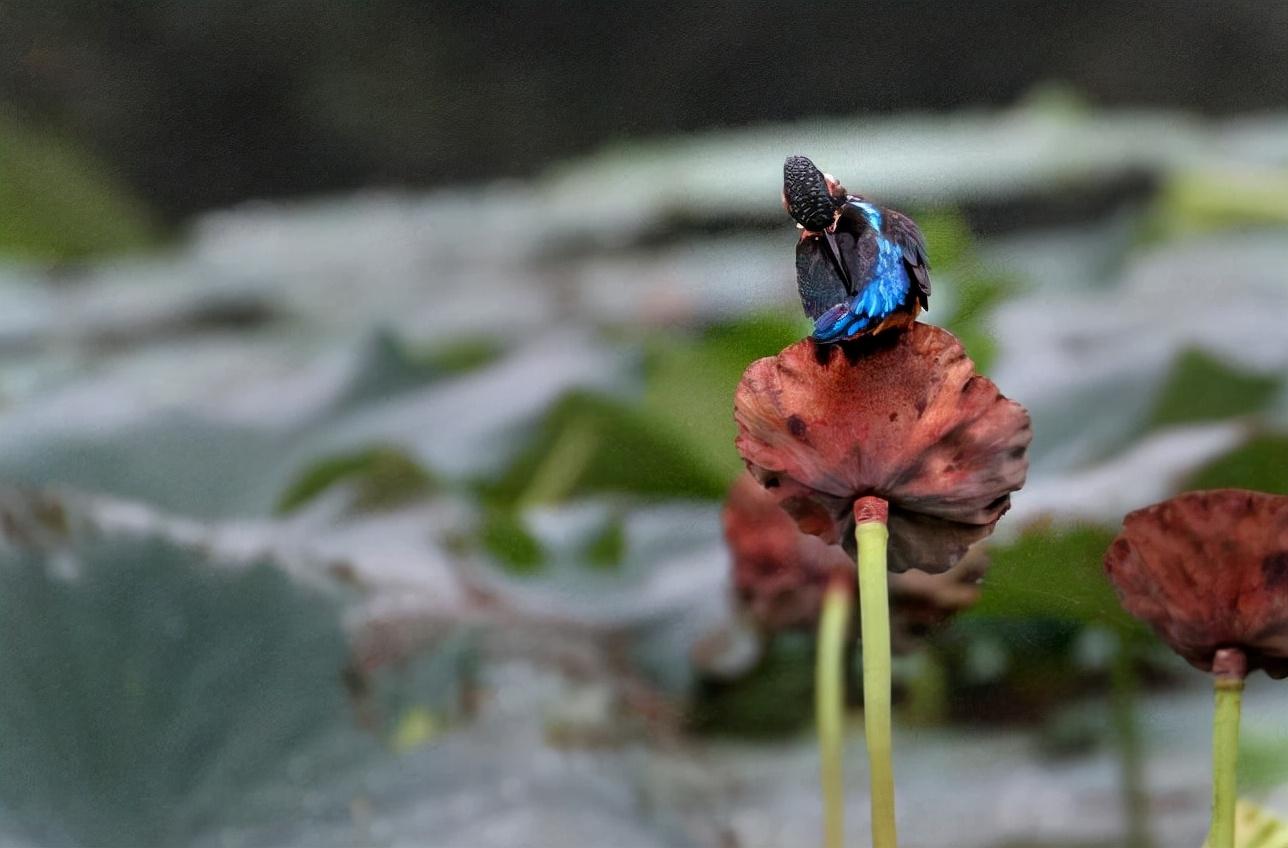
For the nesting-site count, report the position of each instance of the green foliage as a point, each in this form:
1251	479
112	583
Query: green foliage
1056	99
389	366
504	535
57	203
978	294
1201	387
1053	573
1263	761
1255	828
182	462
607	548
461	356
948	237
563	464
1261	464
173	696
925	680
1072	731
382	477
1025	646
977	291
690	387
630	452
1010	668
508	540
1208	200
776	698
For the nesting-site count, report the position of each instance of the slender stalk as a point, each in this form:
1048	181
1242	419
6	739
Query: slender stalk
1123	686
562	466
1229	668
928	690
872	536
829	707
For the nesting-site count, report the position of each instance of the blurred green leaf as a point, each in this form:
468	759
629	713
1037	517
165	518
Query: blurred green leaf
388	366
977	291
948	237
381	476
1260	464
461	356
385	367
607	548
1201	387
1263	761
978	294
690	386
1053	573
58	203
508	540
1008	667
1255	828
1214	199
753	336
632	452
174	697
1056	99
563	464
775	698
1072	731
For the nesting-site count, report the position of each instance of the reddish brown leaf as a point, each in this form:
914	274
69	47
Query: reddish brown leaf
779	573
906	419
1209	570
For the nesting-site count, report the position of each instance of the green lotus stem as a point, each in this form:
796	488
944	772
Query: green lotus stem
829	707
928	690
871	534
1230	668
562	465
1123	695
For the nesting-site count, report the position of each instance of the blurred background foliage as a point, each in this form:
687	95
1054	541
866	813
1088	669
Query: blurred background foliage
62	204
365	407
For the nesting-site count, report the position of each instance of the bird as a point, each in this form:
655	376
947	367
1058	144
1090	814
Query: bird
861	269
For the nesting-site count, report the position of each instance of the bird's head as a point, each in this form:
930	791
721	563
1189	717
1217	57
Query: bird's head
810	196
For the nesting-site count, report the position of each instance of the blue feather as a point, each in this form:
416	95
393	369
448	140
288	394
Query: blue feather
830	324
856	325
883	294
872	213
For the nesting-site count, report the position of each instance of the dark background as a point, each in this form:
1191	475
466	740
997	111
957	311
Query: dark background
204	104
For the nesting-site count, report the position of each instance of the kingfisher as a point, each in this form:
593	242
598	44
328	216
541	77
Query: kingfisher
861	269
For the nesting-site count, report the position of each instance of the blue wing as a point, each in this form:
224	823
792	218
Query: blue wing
903	231
885	292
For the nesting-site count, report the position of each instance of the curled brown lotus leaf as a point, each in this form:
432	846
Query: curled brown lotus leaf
1209	570
905	419
780	573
